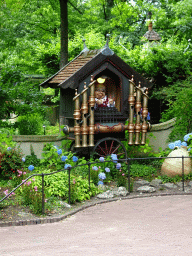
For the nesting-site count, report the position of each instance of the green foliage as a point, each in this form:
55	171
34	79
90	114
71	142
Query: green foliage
32	159
6	141
57	185
30	124
10	162
23	96
143	171
181	109
121	178
31	196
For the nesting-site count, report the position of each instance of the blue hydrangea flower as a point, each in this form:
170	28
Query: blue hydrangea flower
148	116
75	159
118	166
184	144
107	169
177	143
63	158
9	148
186	137
100	183
102	176
189	149
67	166
59	151
23	159
31	168
171	145
95	168
114	158
101	159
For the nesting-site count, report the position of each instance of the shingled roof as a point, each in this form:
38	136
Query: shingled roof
85	63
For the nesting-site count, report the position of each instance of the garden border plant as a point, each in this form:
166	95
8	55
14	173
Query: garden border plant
101	175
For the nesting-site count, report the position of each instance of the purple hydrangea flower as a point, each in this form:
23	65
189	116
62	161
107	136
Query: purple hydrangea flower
23	159
100	183
75	159
118	166
59	151
95	168
9	148
102	176
63	158
67	166
171	145
31	168
107	169
101	159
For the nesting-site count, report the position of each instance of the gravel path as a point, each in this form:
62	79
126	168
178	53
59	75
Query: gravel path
158	226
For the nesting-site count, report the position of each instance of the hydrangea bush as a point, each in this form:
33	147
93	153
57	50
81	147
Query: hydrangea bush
178	143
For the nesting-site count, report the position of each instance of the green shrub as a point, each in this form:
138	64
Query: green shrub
57	185
32	159
31	196
10	162
144	171
31	124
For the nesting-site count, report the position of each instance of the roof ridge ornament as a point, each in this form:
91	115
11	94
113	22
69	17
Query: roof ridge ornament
106	50
107	41
85	49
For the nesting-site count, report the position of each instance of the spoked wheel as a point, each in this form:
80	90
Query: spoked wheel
108	146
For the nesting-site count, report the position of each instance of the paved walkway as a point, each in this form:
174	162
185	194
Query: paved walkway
158	226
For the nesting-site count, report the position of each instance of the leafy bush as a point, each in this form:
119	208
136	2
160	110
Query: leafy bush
180	108
6	141
10	162
31	196
144	171
32	159
57	185
30	124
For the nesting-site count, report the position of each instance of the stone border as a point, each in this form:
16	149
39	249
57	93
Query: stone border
37	138
163	126
62	217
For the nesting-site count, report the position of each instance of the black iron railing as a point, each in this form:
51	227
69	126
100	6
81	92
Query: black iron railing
128	162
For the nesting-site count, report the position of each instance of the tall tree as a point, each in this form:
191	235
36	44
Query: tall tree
64	32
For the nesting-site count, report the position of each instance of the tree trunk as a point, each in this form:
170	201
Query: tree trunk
64	33
64	51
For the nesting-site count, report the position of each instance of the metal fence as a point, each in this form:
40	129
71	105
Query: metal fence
128	161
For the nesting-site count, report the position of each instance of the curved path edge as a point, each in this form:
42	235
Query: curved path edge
81	208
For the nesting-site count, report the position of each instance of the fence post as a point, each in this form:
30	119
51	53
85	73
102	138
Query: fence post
43	195
69	192
183	172
128	168
89	164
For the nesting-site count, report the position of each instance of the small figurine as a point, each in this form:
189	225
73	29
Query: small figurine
101	100
100	97
111	102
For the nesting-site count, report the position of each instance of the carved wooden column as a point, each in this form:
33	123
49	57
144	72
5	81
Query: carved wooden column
84	111
77	116
131	100
144	114
138	115
91	112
